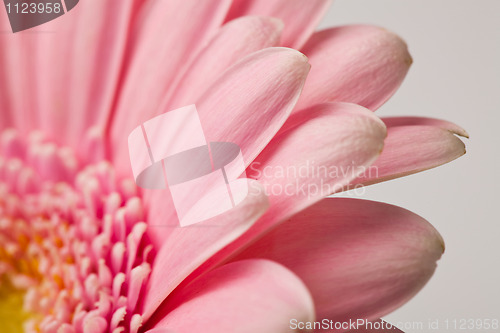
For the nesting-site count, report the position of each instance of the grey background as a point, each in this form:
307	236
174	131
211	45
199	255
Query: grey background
455	76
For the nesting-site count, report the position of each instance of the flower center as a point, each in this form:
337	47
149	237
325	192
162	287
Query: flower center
73	255
12	314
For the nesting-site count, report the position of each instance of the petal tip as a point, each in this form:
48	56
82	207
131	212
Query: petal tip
463	133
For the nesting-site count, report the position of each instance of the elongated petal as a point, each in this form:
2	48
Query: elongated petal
413	121
251	101
300	17
358	64
167	35
317	156
184	249
267	83
82	50
234	41
412	149
5	117
17	67
243	297
322	150
254	98
359	258
98	47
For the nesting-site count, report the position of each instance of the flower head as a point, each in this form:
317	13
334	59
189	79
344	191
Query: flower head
83	249
72	240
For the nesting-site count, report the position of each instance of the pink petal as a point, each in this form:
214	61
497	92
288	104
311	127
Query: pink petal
332	136
184	249
166	36
338	136
6	120
412	121
358	64
82	50
18	66
97	57
242	297
300	17
359	258
268	82
235	40
254	98
412	149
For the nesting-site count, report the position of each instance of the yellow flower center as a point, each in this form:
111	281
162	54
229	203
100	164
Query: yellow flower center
72	252
12	314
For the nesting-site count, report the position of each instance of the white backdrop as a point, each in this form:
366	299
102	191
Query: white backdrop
455	45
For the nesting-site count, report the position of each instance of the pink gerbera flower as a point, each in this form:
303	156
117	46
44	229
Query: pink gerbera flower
83	249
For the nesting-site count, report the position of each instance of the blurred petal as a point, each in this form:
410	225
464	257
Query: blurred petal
300	17
357	64
5	117
167	35
412	149
96	60
234	41
242	297
359	258
45	61
18	73
184	249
